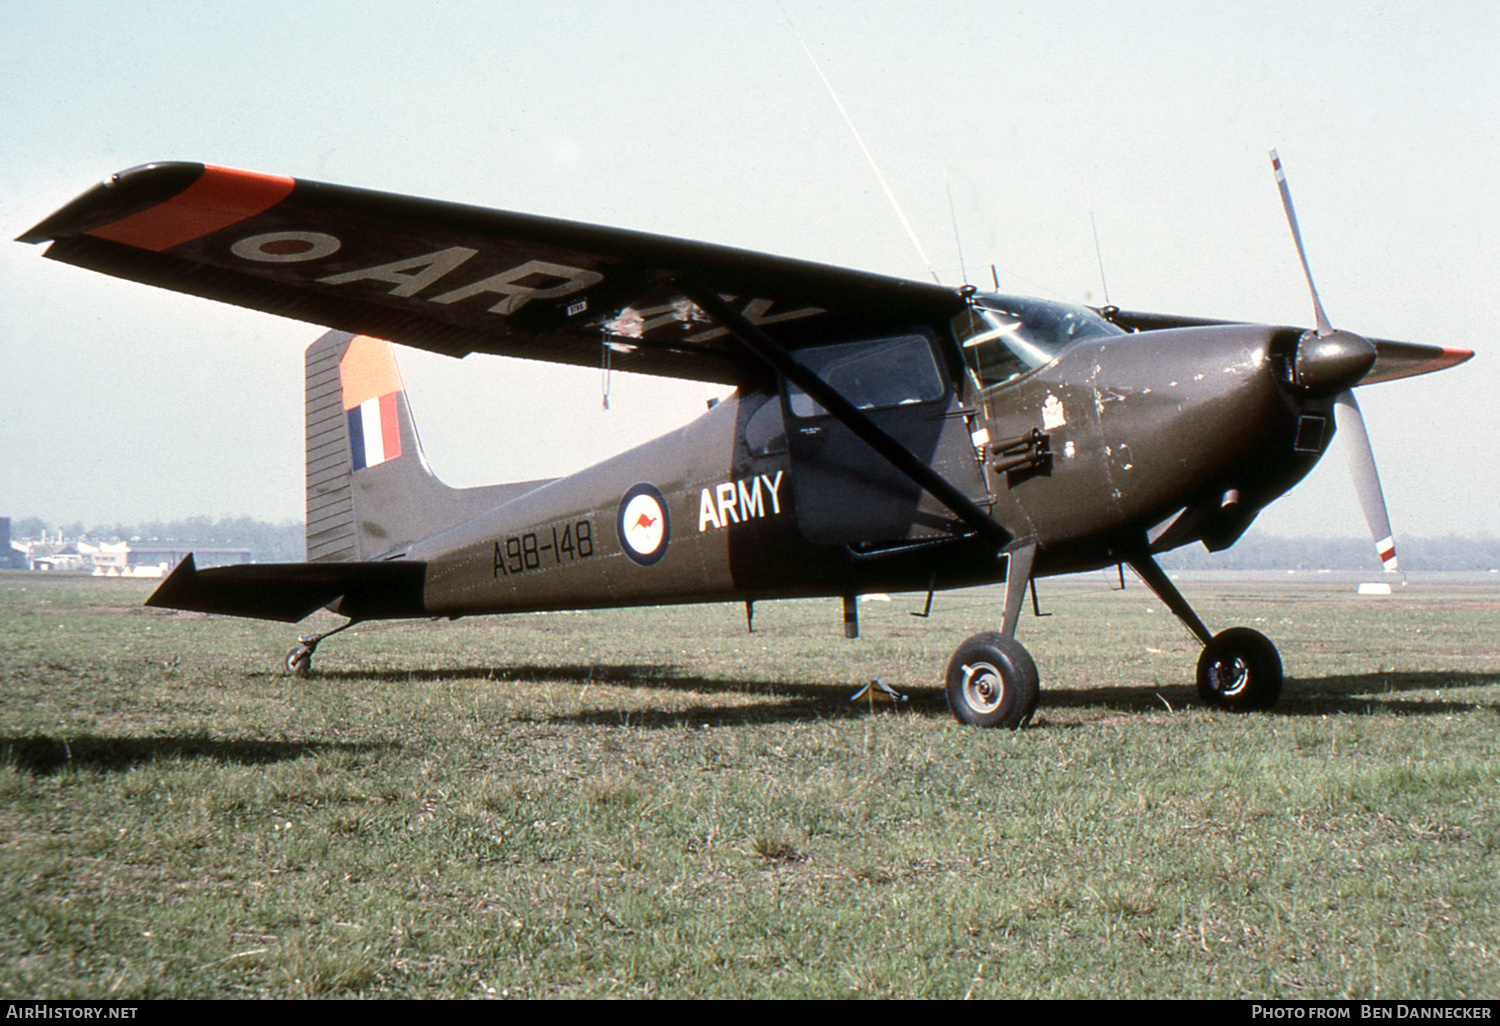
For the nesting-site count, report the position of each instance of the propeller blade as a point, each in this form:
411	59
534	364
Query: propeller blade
1351	424
1324	327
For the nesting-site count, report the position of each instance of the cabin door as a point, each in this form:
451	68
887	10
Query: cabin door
844	492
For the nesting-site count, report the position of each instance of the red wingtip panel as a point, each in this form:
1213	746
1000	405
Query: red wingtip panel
222	197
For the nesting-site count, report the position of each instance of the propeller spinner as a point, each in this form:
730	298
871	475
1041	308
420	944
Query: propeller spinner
1332	361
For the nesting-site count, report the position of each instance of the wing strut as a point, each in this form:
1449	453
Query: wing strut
763	347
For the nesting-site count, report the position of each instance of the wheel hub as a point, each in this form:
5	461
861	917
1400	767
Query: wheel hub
1230	677
984	687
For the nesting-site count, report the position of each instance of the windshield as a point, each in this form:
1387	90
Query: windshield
1004	337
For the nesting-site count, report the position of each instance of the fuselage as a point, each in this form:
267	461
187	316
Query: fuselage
1095	445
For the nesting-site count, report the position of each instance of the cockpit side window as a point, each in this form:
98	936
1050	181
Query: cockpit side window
1004	337
872	374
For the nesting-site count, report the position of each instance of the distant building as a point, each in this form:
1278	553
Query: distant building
55	556
12	555
157	553
113	559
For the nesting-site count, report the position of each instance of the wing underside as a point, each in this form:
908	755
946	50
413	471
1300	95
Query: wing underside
457	279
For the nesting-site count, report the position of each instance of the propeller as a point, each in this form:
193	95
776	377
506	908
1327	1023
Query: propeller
1331	361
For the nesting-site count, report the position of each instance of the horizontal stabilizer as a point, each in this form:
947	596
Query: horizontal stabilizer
290	591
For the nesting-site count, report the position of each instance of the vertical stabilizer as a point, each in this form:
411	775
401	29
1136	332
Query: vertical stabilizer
370	493
359	435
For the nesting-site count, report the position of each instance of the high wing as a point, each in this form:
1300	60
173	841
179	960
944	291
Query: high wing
458	279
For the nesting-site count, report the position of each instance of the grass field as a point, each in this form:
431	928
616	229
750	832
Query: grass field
656	803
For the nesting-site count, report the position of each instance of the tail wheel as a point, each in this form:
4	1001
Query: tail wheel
992	682
299	661
1240	670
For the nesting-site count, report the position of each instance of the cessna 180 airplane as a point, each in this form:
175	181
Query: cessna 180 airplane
883	435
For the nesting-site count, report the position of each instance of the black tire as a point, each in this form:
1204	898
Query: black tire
1240	670
299	661
992	682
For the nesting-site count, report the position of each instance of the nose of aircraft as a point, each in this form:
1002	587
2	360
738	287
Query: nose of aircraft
1332	362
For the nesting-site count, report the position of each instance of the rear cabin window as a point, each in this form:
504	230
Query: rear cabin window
765	434
872	375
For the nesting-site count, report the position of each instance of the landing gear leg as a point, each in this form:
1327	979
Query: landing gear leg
299	659
992	680
1240	669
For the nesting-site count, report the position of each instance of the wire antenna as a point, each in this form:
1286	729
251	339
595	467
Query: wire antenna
1098	251
957	241
865	149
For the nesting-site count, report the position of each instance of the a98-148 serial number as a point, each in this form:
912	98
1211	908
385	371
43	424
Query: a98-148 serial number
535	549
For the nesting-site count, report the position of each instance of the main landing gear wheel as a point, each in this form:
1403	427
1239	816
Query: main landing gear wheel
992	682
1240	670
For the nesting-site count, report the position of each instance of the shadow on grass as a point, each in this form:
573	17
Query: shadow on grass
793	700
1359	694
664	676
44	756
1312	696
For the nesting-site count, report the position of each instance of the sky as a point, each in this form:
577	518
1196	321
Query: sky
1011	133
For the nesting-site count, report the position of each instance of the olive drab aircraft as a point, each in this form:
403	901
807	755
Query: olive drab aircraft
882	435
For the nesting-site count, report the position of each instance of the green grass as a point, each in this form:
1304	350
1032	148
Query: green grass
655	803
